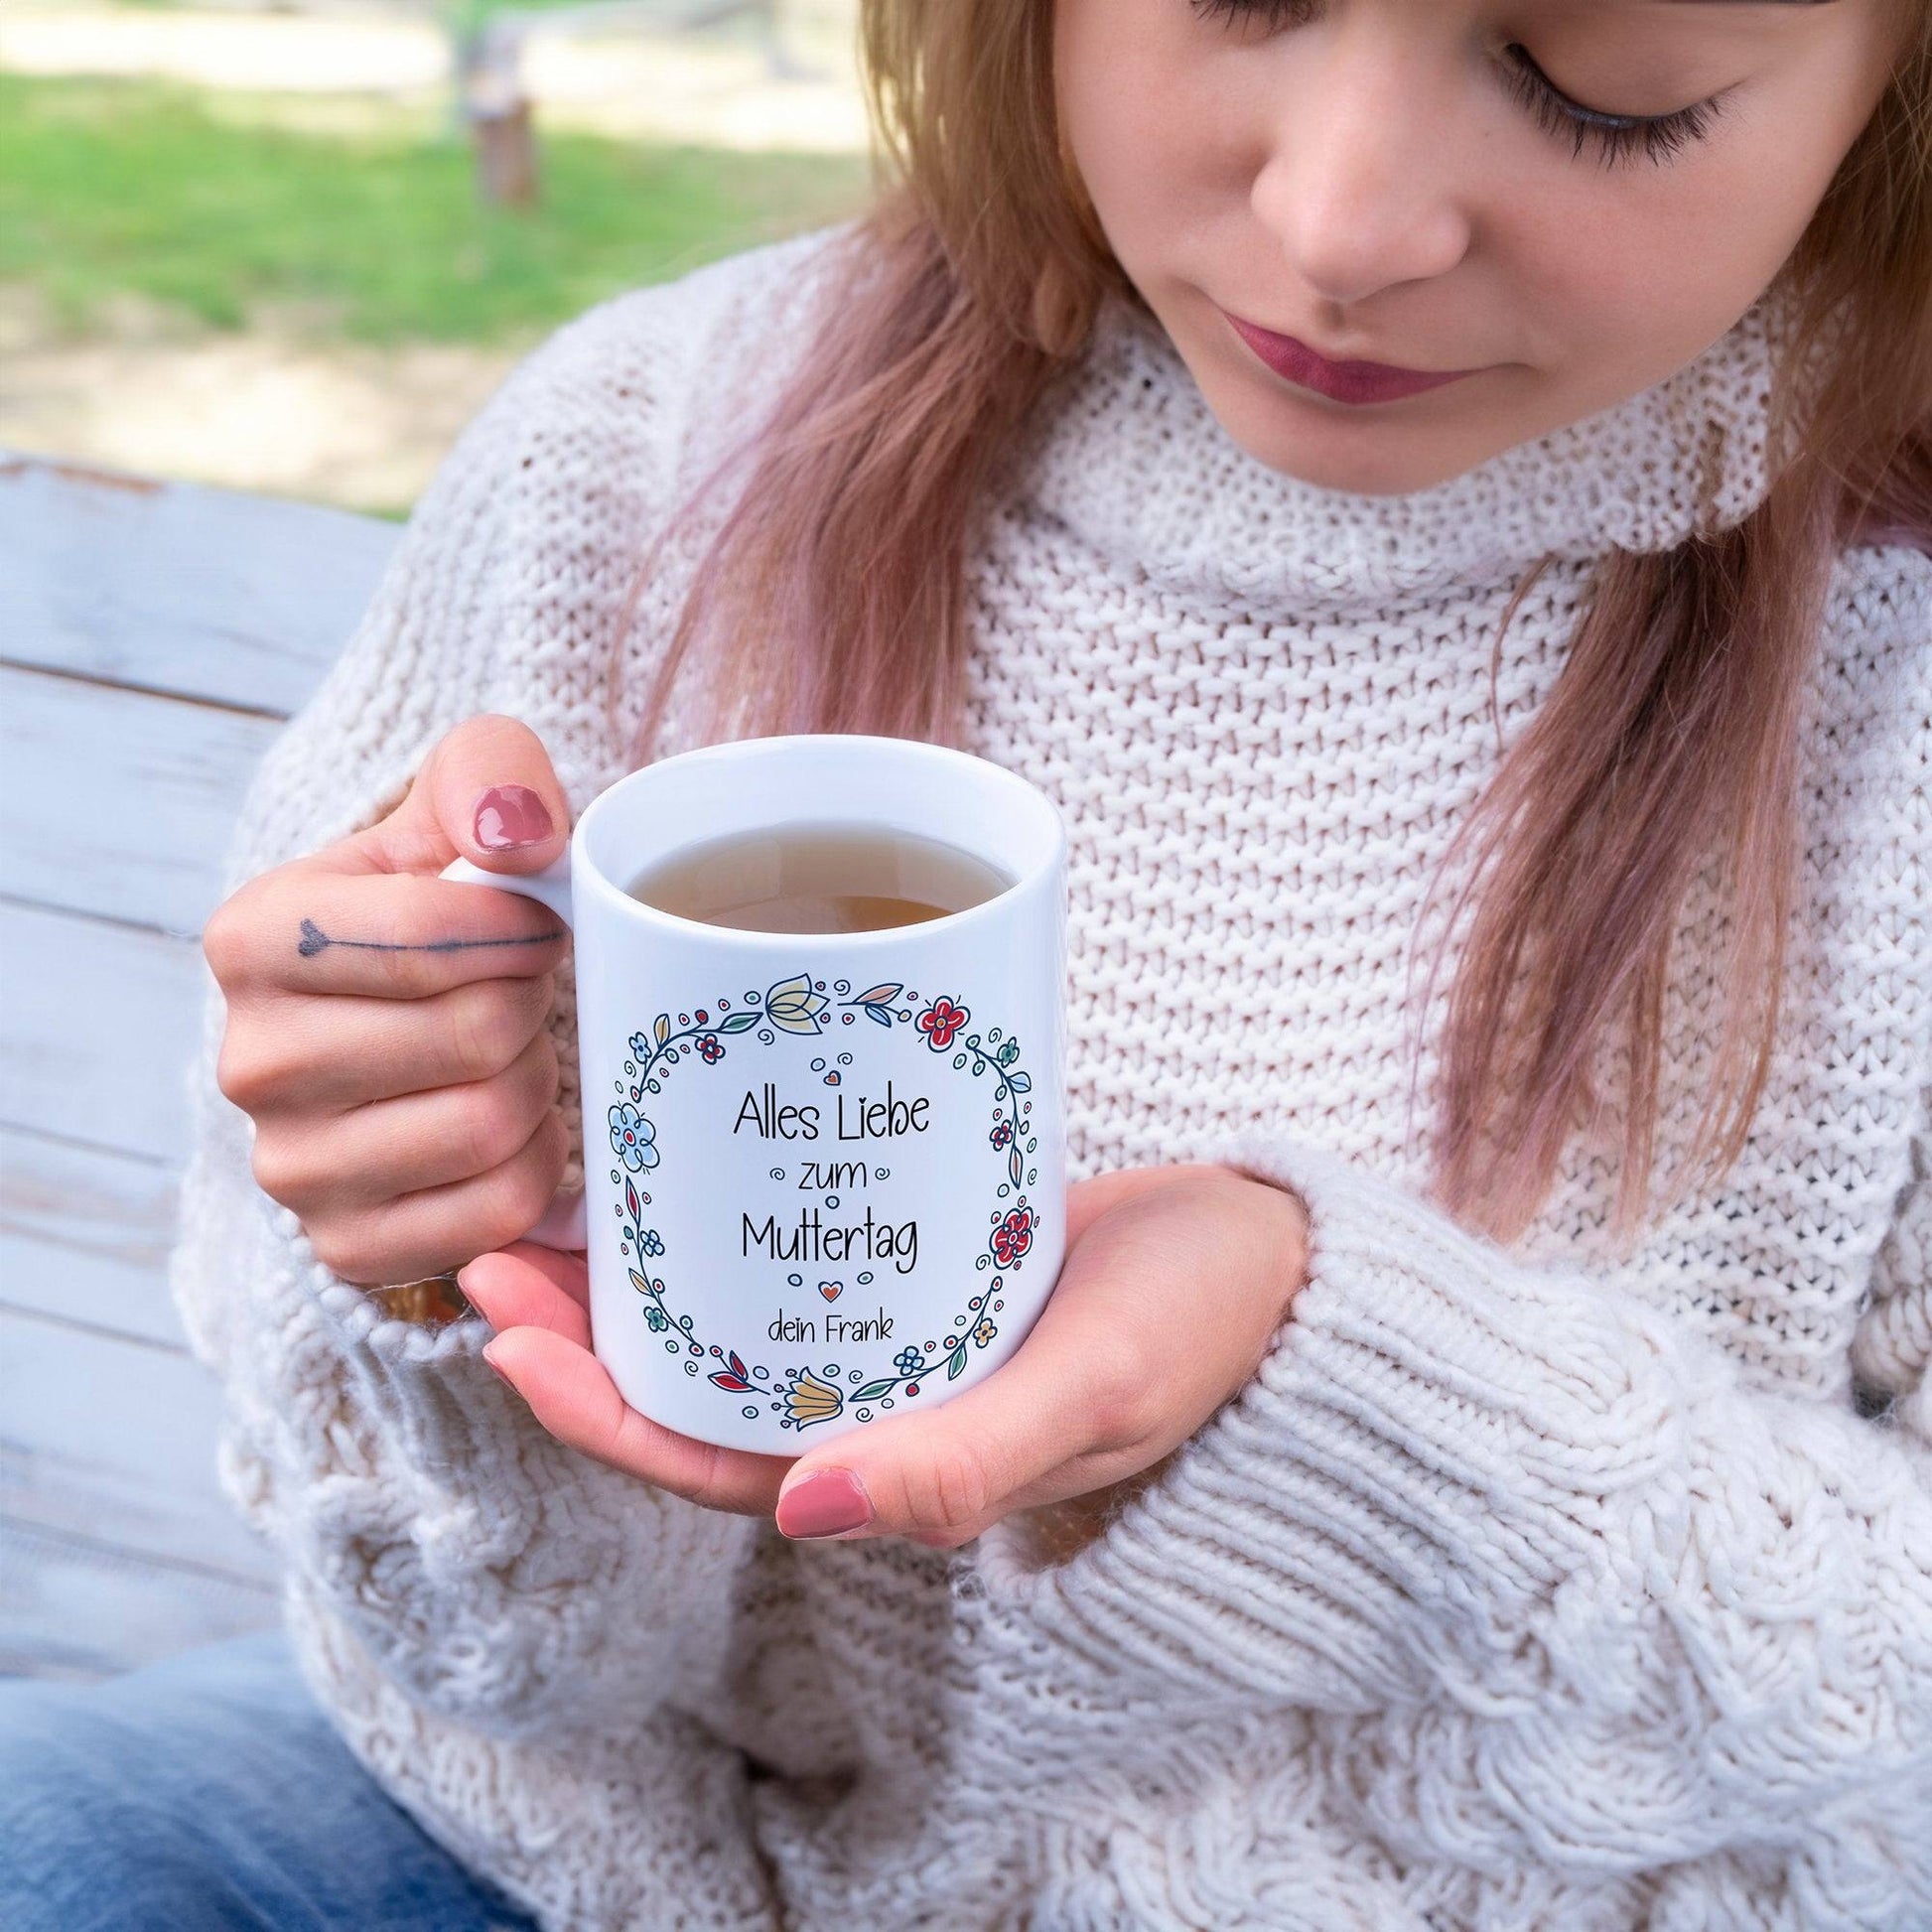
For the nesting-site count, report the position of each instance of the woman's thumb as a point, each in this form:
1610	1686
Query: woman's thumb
489	795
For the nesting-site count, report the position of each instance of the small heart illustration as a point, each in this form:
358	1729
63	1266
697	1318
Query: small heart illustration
831	1289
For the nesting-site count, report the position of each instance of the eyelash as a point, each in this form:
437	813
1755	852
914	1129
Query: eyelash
1616	136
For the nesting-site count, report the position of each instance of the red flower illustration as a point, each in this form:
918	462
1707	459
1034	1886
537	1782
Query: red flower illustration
1002	1133
1013	1237
940	1021
712	1049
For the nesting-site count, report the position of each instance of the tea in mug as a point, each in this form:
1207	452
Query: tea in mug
818	879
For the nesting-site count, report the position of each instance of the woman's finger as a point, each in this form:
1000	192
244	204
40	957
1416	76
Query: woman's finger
401	1147
566	1268
1053	1407
570	1392
326	1055
307	929
488	792
440	1228
1096	1393
526	1285
1087	1201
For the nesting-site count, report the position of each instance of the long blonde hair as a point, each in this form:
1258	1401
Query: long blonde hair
832	598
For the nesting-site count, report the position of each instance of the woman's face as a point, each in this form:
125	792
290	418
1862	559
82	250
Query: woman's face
1453	184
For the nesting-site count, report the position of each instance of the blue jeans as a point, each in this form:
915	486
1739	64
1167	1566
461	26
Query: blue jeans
205	1794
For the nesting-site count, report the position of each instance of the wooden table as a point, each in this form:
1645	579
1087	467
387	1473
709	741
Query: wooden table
152	639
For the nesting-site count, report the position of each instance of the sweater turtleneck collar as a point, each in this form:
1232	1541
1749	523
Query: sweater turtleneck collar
1130	458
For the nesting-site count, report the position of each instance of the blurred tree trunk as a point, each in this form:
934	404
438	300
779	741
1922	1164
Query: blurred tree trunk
506	152
494	104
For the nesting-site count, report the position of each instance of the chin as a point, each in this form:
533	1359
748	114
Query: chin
1391	450
1381	459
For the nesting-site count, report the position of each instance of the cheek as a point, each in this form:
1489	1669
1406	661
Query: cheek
1630	273
1148	125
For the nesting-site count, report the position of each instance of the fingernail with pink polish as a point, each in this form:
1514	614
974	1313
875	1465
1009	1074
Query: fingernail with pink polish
825	1503
510	818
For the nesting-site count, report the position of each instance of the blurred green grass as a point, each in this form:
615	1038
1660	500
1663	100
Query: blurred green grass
371	232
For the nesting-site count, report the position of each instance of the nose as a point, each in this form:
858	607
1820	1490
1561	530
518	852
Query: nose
1359	184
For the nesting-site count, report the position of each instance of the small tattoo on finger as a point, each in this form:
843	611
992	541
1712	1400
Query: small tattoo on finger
314	940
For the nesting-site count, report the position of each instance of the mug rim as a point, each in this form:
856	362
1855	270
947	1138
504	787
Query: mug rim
916	749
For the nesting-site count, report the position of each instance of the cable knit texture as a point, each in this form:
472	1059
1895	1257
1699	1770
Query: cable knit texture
1547	1586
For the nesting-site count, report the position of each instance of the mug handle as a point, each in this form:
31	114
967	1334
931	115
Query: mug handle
563	1224
550	887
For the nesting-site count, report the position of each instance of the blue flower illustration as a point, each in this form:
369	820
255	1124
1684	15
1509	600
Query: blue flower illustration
909	1361
653	1242
633	1137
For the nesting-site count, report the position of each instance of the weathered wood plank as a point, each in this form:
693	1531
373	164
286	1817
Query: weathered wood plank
122	803
170	586
72	1607
115	1440
96	1029
153	634
85	1236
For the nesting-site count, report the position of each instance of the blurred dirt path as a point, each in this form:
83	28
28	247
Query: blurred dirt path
346	424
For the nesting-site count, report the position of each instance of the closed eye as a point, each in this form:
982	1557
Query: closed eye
1616	136
1270	13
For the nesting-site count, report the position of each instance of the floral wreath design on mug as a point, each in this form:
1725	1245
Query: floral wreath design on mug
800	1005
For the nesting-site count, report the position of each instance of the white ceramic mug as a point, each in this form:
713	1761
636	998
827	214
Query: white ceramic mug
825	1173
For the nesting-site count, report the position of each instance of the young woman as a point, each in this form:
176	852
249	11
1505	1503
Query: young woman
1441	495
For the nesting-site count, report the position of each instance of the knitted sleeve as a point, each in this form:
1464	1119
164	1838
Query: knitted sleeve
1892	1354
499	1579
1561	1588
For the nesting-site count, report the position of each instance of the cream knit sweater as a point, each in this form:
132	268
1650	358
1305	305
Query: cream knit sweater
1526	1588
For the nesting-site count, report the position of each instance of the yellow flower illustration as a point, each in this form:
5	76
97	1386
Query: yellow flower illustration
808	1400
793	1006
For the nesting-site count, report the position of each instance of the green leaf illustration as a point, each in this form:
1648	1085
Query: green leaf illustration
737	1023
956	1362
872	1390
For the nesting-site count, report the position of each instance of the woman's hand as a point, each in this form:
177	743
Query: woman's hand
1176	1280
385	1028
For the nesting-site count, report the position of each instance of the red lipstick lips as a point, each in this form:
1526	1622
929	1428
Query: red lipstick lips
1352	382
